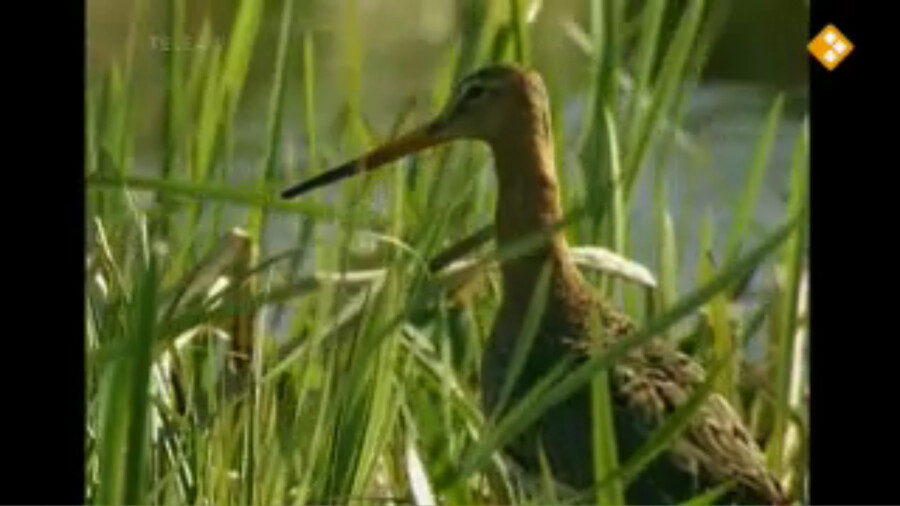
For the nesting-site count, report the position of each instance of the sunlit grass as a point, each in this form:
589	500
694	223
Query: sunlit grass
315	375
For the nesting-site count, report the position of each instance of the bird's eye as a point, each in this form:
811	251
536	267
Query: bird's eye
473	93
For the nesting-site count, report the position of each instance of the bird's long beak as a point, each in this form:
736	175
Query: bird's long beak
417	140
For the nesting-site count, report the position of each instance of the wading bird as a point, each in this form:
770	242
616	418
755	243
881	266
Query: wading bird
506	107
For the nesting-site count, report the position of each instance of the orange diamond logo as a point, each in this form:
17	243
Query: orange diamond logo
830	47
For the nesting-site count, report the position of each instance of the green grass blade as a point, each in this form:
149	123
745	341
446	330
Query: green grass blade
525	340
269	163
174	101
617	215
145	308
793	258
113	398
755	178
667	85
605	453
595	152
651	21
274	117
668	263
209	116
309	102
710	496
479	20
214	192
241	42
603	440
722	335
352	44
519	32
124	394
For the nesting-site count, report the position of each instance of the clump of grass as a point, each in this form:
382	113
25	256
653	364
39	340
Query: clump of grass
369	391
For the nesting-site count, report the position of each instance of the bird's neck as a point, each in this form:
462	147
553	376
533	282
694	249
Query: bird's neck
529	202
528	193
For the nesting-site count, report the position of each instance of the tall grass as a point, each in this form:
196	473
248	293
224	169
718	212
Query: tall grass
367	389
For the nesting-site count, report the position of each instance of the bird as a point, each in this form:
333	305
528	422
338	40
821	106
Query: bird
506	106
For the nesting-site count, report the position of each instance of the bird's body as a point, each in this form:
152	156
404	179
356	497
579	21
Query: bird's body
506	107
648	384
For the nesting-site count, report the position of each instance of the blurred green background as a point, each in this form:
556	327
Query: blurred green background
762	46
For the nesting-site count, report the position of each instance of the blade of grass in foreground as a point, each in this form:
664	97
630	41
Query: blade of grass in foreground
668	262
228	194
530	329
547	483
477	23
174	106
603	433
617	229
710	496
722	338
596	152
241	41
519	32
417	475
667	85
667	258
352	46
603	438
113	404
137	444
124	397
755	176
787	327
547	394
651	21
269	161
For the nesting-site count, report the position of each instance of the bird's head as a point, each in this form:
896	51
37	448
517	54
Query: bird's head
487	105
